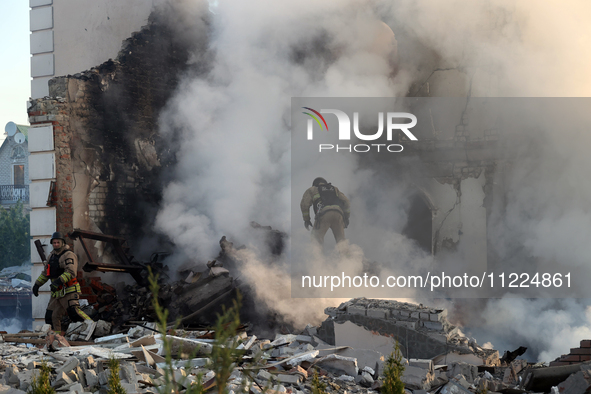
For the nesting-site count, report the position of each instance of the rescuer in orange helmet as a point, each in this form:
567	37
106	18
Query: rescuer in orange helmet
331	210
61	268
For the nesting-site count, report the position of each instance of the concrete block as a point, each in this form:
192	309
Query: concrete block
408	324
42	65
377	313
91	378
421	363
433	325
424	315
68	365
264	375
41	18
304	339
417	378
103	377
414	315
356	310
61	379
289	379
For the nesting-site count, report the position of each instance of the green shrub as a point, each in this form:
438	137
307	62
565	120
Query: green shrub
393	370
41	383
115	386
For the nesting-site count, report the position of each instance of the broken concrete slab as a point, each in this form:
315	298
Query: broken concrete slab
469	371
417	378
339	364
576	383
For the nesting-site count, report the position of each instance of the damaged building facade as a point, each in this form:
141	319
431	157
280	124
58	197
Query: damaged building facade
98	161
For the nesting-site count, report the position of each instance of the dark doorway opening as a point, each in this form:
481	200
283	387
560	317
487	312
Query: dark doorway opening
419	226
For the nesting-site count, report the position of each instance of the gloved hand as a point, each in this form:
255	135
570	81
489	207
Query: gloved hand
36	290
346	222
55	285
308	224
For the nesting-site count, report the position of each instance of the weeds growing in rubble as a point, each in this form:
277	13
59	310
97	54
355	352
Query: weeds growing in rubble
318	387
393	370
115	386
41	383
224	356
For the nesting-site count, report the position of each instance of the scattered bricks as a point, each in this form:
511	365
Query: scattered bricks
91	378
377	313
356	310
86	290
586	343
97	286
92	299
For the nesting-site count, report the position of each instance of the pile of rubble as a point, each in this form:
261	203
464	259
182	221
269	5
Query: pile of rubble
16	279
284	364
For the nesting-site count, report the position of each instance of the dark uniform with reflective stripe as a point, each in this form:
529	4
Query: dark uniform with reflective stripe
61	268
331	210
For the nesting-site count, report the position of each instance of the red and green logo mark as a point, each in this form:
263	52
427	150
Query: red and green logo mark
316	118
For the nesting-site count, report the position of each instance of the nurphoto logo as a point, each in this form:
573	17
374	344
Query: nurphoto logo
344	132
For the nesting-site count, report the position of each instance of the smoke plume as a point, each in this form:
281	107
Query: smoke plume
234	163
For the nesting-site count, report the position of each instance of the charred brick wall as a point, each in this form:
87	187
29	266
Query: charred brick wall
110	158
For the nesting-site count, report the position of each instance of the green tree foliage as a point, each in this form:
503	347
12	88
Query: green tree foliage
115	386
15	244
393	371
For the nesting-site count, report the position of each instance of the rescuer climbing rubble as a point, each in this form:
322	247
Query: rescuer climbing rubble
61	268
331	210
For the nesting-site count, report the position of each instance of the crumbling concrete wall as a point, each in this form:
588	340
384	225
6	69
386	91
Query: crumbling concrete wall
422	332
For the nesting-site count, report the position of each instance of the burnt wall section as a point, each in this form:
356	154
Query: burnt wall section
111	161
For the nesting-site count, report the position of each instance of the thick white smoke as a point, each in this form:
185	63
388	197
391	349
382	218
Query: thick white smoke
234	163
